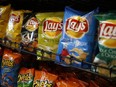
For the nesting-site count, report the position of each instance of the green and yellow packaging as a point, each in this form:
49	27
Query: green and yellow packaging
50	31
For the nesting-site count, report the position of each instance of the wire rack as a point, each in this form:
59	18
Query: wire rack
92	72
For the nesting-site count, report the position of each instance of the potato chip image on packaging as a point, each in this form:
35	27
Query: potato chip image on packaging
78	38
50	31
13	31
107	43
4	17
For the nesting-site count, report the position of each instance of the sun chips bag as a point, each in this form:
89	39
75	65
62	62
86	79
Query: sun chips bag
107	43
77	40
50	30
4	17
9	68
25	77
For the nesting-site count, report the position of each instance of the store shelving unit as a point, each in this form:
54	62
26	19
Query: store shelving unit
58	5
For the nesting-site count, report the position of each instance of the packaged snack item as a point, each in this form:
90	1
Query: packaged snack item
25	77
4	17
13	31
1	53
44	79
70	82
107	43
77	40
10	66
29	31
50	30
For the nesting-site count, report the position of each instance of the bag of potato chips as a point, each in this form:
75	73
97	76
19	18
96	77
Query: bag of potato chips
29	31
4	17
50	30
77	41
107	43
25	77
13	31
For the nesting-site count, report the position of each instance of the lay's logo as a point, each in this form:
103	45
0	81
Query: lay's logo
76	26
52	27
15	18
108	30
32	24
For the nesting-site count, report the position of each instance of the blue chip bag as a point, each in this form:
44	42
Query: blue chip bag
78	38
10	67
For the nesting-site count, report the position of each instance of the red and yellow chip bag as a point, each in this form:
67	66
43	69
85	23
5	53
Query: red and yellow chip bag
4	16
44	79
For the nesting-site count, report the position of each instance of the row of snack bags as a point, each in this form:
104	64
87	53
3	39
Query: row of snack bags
14	75
71	33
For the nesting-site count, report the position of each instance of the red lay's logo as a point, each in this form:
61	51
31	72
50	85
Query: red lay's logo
108	30
15	18
52	27
76	26
32	24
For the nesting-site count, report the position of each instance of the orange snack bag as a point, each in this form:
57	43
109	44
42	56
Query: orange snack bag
44	79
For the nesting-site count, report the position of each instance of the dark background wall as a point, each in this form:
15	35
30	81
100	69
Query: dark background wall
58	5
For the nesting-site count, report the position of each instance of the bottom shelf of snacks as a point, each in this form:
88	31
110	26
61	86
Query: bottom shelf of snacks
20	68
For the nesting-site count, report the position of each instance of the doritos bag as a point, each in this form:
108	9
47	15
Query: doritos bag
4	17
10	66
107	43
44	79
50	30
13	32
29	32
25	77
77	40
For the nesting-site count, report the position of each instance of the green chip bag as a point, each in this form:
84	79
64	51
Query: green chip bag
107	43
50	30
25	77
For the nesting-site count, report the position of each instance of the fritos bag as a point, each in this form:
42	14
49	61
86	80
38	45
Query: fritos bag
13	31
50	30
10	66
107	43
25	77
44	79
77	40
4	17
29	31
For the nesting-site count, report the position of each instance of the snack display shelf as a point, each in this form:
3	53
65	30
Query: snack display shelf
92	72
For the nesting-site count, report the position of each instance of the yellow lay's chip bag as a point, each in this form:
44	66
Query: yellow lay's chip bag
50	30
4	16
14	26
